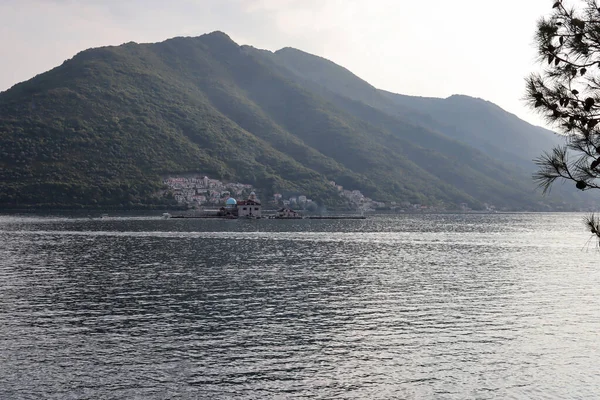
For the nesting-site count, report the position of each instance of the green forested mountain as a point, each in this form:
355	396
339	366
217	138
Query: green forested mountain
485	126
478	123
501	136
106	125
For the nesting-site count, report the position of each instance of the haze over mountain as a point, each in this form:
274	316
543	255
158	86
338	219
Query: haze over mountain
106	125
477	122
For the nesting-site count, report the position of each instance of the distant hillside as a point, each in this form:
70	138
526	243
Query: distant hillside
475	122
484	125
106	125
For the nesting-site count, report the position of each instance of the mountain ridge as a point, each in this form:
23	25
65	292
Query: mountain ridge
105	125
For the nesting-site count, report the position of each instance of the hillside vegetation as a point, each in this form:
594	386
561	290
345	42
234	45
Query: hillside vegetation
103	129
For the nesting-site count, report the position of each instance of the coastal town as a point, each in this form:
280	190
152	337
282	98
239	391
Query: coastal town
198	192
202	191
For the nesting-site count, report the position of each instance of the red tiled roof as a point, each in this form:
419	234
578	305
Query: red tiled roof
248	203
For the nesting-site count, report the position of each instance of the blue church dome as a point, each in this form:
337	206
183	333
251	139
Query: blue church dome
231	202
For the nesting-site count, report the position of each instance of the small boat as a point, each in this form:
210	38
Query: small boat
166	215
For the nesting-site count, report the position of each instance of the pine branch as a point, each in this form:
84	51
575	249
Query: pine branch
567	93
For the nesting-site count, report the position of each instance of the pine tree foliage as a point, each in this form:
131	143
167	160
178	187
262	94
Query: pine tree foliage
567	92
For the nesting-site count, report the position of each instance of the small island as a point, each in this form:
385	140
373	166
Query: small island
251	208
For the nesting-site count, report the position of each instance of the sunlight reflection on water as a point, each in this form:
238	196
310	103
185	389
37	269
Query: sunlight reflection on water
446	306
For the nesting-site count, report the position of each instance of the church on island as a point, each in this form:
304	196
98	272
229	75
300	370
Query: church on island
250	208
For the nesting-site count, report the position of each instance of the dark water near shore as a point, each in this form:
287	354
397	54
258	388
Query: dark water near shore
432	306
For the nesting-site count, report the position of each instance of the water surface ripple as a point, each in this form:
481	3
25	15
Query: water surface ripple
431	306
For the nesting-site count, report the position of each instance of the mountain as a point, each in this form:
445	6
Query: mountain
500	135
485	126
103	128
479	123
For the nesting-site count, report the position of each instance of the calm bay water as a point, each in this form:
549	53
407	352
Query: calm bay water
431	306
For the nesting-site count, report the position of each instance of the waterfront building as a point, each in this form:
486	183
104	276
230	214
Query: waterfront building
241	209
287	212
249	208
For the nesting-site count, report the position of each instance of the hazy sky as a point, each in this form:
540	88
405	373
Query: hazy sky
481	48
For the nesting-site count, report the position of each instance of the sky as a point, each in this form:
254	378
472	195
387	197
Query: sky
434	48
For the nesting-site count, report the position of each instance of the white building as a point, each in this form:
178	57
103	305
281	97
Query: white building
249	209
